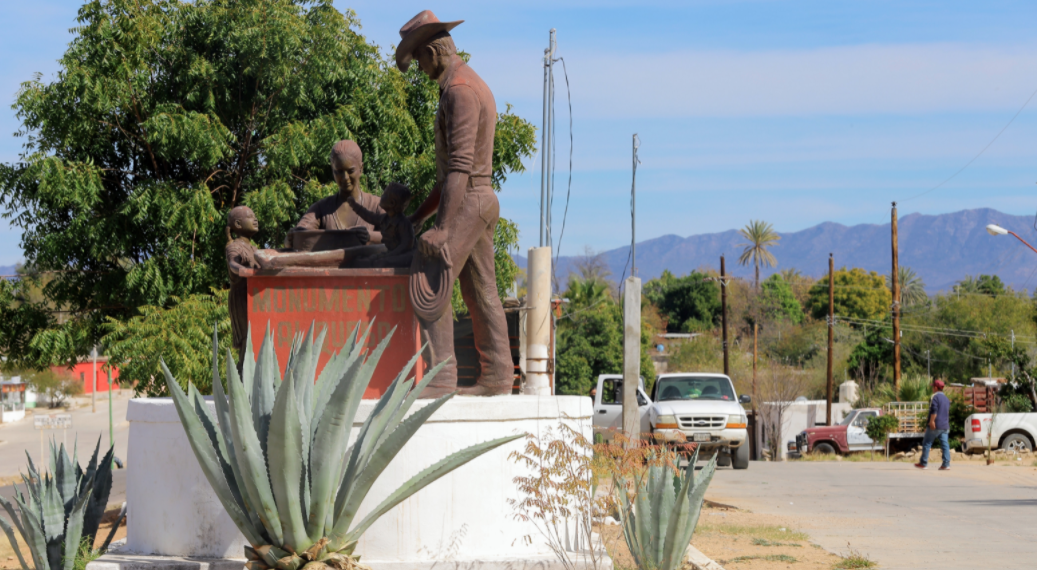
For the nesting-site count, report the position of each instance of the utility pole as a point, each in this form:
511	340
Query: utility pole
633	210
547	143
831	337
896	304
632	328
928	365
756	418
93	392
723	314
1013	354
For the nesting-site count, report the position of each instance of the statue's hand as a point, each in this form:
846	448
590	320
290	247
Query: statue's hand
362	234
433	243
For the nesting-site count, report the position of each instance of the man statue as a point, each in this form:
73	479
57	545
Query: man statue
466	208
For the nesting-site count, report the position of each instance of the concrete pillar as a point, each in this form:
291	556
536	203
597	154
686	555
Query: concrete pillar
538	322
631	357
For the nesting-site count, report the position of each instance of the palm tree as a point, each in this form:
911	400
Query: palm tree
912	288
761	236
587	292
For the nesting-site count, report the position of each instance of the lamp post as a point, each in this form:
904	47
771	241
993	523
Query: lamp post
996	230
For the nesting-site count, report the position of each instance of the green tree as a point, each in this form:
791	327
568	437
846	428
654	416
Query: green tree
166	114
959	331
778	302
690	303
872	355
859	294
912	288
590	342
177	335
982	285
761	237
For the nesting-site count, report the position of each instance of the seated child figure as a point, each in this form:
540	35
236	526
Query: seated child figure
396	228
242	223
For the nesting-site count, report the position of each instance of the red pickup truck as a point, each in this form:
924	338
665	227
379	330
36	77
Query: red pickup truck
849	435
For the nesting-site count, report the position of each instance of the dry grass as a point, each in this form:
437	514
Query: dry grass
854	561
739	540
767	533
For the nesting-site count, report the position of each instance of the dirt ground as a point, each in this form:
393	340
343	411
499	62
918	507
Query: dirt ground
8	561
740	540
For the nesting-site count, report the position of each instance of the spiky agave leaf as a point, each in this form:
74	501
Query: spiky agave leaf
296	475
10	533
659	524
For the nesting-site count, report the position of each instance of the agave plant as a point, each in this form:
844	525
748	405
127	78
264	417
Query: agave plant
658	524
61	509
276	451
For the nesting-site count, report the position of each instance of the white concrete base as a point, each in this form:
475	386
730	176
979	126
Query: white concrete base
464	519
140	562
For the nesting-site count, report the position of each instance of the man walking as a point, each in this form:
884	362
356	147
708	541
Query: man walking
939	425
460	245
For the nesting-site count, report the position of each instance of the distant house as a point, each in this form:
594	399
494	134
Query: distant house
84	371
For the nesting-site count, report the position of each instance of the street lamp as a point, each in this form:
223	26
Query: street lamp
996	230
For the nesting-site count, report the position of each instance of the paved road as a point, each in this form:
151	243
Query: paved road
973	516
17	437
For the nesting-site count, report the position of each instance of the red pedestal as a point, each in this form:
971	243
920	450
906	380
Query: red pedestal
290	300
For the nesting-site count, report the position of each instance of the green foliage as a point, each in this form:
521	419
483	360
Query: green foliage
61	510
55	387
690	303
964	332
165	115
778	302
880	427
277	452
915	389
660	520
794	344
590	343
982	285
859	294
178	334
872	354
912	288
958	412
760	237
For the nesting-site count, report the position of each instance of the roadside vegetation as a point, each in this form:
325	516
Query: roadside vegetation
958	334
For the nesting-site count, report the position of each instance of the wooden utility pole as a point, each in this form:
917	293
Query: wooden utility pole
896	305
723	314
831	336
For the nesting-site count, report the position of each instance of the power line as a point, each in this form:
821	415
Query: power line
568	190
959	171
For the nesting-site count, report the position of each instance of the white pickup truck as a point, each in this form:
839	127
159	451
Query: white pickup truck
1014	432
684	407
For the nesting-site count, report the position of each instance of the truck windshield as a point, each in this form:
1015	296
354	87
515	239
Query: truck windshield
848	419
695	388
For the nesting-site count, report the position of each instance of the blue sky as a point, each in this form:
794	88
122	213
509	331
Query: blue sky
791	112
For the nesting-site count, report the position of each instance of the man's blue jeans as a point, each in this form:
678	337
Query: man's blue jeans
927	443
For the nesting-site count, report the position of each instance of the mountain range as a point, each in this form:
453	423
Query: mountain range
941	249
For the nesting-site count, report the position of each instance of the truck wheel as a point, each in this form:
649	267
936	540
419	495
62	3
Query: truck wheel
1016	442
740	457
824	449
723	459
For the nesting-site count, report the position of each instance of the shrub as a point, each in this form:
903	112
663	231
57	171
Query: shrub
56	387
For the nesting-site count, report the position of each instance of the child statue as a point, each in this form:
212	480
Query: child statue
395	227
242	222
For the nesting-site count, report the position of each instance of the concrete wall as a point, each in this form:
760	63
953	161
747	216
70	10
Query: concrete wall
464	516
